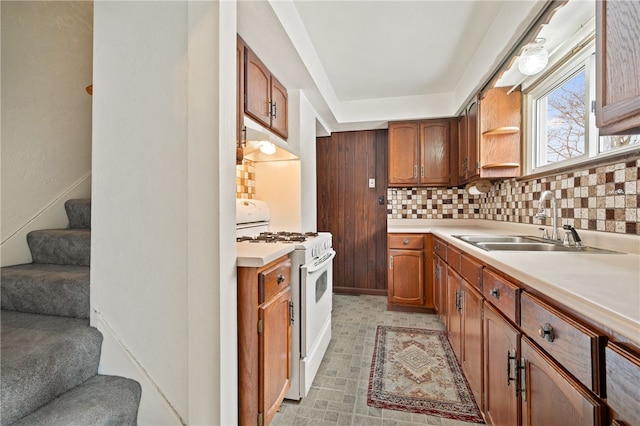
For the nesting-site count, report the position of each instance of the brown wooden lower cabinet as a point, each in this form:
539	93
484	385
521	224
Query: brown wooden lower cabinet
454	311
471	357
623	385
550	396
501	340
264	340
410	282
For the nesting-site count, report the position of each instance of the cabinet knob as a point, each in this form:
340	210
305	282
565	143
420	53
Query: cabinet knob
406	242
280	278
546	332
495	292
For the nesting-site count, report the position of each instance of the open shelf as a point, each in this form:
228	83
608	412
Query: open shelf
505	130
500	165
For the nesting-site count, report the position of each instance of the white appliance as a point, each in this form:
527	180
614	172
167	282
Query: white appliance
311	289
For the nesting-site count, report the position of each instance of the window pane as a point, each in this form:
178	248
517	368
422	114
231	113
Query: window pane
609	143
565	122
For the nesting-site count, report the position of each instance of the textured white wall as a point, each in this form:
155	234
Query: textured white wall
163	247
46	113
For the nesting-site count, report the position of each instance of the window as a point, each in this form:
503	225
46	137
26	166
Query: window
561	119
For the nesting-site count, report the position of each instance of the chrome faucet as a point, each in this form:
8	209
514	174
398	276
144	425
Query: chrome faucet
554	212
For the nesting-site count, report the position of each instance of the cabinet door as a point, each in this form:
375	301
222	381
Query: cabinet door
472	171
279	108
623	377
274	344
406	277
550	396
440	287
257	86
403	153
463	157
454	300
435	151
500	362
472	339
239	98
617	64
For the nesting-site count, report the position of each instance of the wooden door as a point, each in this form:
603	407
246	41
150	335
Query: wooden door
550	396
404	145
472	171
463	157
454	323
274	342
472	339
406	279
354	213
435	153
500	363
617	64
257	86
279	108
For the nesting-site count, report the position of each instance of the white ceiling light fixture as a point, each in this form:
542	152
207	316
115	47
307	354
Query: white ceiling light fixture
268	148
534	58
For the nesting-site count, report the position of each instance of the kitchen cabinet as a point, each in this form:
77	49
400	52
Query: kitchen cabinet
623	377
264	340
440	279
500	135
550	396
265	98
454	311
421	153
617	64
240	45
408	283
501	340
468	169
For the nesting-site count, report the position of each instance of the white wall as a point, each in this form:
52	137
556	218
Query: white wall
163	247
46	116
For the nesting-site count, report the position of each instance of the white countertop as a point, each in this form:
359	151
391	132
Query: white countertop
260	254
605	287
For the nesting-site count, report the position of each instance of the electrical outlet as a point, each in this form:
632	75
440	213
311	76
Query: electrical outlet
372	183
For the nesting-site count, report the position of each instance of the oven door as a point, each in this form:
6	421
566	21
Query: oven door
316	286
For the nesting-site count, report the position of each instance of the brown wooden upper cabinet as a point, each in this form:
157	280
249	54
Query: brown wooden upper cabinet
500	135
617	65
468	166
239	98
421	154
265	98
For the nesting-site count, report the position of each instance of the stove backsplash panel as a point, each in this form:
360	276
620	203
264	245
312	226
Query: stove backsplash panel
246	179
601	199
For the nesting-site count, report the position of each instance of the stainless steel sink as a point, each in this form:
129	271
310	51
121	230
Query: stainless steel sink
524	243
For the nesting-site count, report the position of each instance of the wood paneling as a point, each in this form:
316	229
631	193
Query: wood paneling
349	209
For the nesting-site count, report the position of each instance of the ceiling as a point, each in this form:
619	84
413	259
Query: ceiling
363	63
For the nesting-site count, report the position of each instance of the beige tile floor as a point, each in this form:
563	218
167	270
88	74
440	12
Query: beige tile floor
338	395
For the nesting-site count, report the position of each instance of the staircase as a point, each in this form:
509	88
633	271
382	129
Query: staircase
50	353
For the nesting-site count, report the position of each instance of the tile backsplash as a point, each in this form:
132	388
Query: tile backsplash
246	179
600	199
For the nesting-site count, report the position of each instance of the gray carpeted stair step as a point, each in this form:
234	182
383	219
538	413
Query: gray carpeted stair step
43	356
46	289
101	400
79	213
61	246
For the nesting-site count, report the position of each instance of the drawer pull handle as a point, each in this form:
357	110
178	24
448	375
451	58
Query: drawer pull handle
280	278
406	242
546	332
495	292
511	358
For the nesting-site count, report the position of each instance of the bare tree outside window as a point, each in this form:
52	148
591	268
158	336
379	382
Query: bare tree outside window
566	120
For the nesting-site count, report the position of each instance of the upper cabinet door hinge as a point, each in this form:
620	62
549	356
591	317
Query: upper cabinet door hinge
260	326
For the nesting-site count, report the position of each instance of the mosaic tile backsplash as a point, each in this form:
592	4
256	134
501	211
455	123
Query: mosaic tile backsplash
600	199
246	179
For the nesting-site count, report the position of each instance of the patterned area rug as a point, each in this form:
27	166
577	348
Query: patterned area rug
415	370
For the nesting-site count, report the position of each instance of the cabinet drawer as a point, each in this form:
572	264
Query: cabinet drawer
572	345
471	271
501	293
406	241
453	258
623	376
275	278
440	248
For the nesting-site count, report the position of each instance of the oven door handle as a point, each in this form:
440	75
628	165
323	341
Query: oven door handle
312	268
